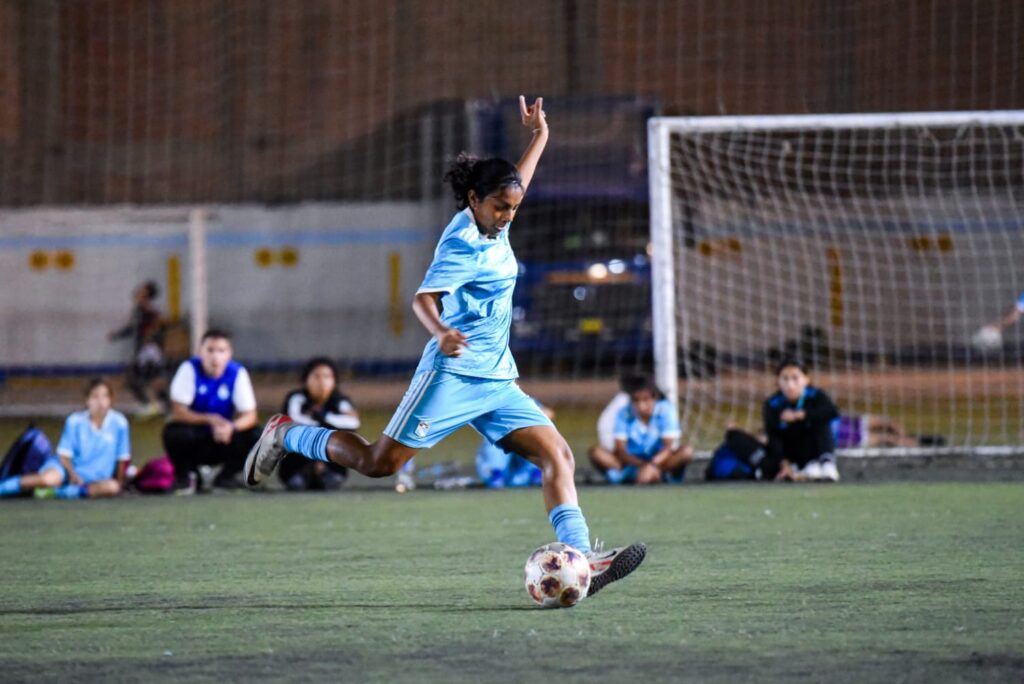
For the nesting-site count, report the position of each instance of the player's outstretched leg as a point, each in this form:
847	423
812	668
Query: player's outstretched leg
281	436
543	445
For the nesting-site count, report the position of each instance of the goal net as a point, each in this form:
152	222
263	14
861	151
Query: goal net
873	247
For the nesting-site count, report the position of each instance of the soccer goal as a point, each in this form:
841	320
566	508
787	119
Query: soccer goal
873	246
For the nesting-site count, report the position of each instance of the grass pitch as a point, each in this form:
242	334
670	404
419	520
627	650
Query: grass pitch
918	582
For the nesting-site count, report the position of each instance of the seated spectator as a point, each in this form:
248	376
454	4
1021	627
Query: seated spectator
797	422
318	403
647	446
213	415
498	468
604	450
92	455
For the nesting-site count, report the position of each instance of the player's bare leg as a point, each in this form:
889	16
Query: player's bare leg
378	459
547	448
603	459
543	445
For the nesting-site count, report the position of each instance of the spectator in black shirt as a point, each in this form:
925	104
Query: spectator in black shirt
797	420
320	404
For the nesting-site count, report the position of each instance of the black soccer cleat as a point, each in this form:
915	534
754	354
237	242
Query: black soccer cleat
611	566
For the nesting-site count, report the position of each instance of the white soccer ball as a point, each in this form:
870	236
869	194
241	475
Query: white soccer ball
988	339
557	576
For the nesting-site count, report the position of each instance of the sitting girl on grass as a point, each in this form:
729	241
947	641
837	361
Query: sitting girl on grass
92	456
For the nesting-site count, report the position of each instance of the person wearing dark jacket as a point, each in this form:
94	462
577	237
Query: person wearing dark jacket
797	421
320	404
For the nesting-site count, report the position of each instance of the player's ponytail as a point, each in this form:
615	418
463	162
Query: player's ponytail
482	176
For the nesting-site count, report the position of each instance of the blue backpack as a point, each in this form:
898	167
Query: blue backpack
737	458
27	454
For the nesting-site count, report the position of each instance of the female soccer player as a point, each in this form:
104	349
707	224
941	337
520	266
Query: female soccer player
467	373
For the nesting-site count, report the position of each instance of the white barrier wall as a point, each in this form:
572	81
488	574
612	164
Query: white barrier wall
288	282
888	282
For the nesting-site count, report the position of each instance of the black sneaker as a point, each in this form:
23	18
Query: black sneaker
610	566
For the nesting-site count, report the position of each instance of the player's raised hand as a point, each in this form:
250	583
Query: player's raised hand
533	116
452	342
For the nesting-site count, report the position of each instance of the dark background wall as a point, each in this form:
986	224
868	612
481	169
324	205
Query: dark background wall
148	101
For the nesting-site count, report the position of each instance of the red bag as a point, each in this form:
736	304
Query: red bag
156	477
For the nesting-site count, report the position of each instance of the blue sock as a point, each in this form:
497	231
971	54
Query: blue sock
10	486
570	526
311	442
72	491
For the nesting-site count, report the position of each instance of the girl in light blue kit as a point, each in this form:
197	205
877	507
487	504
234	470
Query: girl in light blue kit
647	433
467	373
92	456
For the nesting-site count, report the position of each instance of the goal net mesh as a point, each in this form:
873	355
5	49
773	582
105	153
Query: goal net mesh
871	247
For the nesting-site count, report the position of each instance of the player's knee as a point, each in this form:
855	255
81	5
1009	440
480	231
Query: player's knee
383	465
104	488
52	478
560	458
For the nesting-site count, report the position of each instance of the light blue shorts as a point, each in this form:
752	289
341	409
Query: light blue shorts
438	403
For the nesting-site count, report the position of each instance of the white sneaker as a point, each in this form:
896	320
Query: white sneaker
812	471
268	450
404	482
829	472
610	566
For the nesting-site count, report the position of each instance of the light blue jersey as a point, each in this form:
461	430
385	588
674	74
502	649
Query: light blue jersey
477	276
644	440
1020	303
94	453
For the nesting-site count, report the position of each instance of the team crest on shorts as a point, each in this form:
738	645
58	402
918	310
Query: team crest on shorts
422	429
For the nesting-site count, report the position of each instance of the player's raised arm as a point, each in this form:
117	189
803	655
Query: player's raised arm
533	118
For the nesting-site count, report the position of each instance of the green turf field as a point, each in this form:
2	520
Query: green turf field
907	582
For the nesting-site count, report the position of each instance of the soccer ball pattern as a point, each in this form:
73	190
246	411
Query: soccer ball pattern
557	576
988	339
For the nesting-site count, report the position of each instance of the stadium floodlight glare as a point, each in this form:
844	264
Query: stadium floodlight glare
872	245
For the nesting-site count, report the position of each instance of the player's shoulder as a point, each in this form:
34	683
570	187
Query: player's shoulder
188	367
461	231
776	400
77	418
663	407
817	393
118	419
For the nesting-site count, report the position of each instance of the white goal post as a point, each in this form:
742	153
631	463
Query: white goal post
875	243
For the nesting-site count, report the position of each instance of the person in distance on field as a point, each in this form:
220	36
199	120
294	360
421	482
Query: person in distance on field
647	437
92	456
145	330
318	403
467	374
213	414
989	337
798	423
